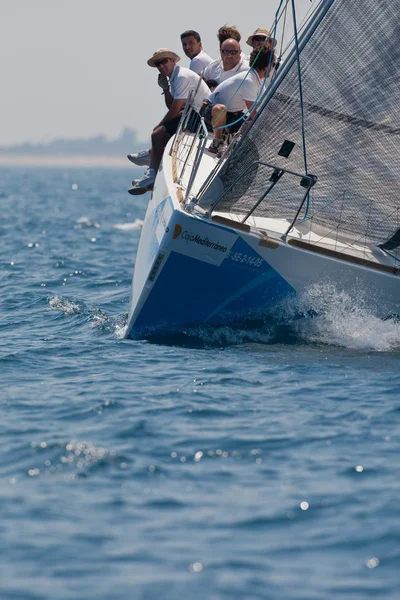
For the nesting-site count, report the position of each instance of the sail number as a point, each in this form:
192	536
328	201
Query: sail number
252	261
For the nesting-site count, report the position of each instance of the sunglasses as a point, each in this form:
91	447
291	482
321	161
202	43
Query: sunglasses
164	61
259	38
230	51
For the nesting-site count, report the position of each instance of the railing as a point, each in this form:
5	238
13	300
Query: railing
306	182
190	139
333	225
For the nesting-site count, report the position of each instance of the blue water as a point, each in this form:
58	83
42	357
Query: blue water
248	465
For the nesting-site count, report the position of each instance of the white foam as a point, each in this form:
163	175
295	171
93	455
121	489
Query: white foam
120	326
120	331
137	224
85	222
99	319
64	305
343	319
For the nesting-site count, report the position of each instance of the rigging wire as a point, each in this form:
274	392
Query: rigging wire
261	91
279	59
303	130
306	19
277	19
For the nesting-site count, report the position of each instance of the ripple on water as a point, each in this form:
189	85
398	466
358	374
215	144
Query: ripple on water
72	460
222	463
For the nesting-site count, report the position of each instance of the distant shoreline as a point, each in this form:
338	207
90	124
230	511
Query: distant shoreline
29	160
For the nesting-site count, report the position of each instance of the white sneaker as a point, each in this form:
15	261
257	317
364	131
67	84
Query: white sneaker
144	184
141	158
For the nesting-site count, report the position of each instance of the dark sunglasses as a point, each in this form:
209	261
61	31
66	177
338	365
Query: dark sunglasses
164	61
259	38
230	51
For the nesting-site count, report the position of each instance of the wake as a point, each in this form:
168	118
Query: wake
319	316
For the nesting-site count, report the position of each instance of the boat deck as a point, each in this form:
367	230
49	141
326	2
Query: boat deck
305	233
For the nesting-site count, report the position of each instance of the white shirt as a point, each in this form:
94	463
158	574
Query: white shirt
215	70
183	82
234	92
199	62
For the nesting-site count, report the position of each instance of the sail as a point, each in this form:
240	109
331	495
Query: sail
350	67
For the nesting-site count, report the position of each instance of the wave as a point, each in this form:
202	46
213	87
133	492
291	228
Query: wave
137	224
86	223
61	304
342	319
97	318
321	315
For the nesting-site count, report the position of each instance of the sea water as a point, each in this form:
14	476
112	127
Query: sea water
231	464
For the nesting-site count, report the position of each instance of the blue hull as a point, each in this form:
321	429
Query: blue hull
189	292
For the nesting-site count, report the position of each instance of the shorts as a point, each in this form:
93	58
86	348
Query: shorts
192	125
231	117
172	125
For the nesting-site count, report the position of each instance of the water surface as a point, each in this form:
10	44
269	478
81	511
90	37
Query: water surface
234	464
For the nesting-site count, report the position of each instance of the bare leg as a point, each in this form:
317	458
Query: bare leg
159	139
218	114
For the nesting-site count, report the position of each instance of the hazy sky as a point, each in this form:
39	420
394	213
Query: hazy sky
77	68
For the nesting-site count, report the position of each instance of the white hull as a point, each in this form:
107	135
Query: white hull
191	270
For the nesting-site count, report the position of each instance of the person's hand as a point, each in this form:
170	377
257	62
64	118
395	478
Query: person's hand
163	82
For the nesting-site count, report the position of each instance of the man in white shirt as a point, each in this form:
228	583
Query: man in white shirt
235	96
230	63
193	48
184	83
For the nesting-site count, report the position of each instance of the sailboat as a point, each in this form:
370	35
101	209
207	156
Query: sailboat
310	194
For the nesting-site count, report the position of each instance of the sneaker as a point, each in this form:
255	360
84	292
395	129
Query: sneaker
135	181
214	146
141	158
222	149
144	184
137	191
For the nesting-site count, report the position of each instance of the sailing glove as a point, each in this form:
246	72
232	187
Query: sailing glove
163	82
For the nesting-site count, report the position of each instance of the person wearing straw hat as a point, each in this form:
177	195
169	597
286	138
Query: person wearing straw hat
261	37
183	83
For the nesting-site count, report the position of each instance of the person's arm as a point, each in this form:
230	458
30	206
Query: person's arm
207	73
164	85
250	94
168	99
249	105
250	116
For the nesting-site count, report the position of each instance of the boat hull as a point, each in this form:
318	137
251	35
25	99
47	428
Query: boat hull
192	271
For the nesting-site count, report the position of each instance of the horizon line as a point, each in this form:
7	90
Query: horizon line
77	160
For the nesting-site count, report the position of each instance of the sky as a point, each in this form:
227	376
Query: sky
77	68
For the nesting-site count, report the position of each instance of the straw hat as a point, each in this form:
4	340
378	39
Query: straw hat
160	54
261	31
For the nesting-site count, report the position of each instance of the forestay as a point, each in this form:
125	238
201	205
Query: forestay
351	90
